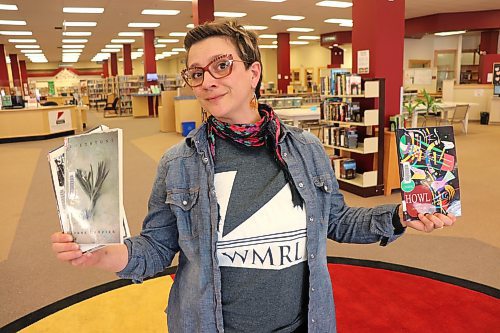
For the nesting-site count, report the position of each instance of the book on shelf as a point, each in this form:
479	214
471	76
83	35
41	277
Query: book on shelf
428	171
86	176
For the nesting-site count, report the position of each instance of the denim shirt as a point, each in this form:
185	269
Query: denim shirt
183	217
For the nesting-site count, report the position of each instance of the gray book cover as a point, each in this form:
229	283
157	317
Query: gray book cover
93	173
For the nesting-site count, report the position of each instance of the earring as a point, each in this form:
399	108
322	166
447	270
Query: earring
253	102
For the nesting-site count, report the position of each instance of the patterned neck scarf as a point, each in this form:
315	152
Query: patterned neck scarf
267	131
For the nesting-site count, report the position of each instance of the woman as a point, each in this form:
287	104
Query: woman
249	203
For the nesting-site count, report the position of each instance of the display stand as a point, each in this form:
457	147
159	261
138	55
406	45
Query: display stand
166	112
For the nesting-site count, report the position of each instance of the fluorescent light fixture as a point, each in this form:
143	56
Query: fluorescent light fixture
27	46
28	40
16	33
39	60
8	7
76	33
79	24
31	51
71	54
268	46
120	59
268	0
300	29
287	17
298	42
140	50
346	24
179	49
83	10
12	22
255	27
337	21
178	0
336	4
190	26
7	59
178	34
130	34
136	54
159	56
167	40
169	53
76	40
450	33
229	14
110	50
309	37
122	41
268	36
160	12
275	42
113	46
73	46
72	50
160	45
143	25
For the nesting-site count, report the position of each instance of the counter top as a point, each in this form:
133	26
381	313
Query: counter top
39	108
145	95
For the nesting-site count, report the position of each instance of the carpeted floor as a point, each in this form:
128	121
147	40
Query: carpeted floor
32	278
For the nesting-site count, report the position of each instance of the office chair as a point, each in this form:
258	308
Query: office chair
49	103
112	106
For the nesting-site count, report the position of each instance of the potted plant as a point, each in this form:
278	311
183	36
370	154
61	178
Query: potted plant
431	107
409	106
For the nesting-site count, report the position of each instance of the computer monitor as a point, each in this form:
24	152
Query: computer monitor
151	77
12	102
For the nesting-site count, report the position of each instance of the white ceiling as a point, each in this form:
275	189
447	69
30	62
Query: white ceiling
43	16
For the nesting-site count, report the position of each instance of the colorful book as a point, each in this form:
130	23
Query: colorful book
428	171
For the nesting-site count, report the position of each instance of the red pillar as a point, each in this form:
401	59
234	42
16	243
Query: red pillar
14	67
149	54
105	68
283	61
4	74
114	64
336	57
203	11
379	27
24	77
127	59
489	42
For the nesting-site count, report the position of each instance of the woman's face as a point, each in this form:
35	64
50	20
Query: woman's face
228	98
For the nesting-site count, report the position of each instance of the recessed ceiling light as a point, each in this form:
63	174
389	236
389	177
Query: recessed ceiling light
79	24
28	40
268	36
31	51
337	21
179	49
229	14
300	29
347	24
83	10
143	25
167	40
12	22
190	26
131	34
76	40
268	46
122	41
450	33
255	27
76	33
113	46
72	50
309	37
8	7
287	17
298	42
110	50
160	12
73	46
178	34
336	4
16	33
27	46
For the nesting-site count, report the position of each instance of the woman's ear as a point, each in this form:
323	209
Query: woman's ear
256	69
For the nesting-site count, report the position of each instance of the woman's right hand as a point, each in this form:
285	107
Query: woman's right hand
68	251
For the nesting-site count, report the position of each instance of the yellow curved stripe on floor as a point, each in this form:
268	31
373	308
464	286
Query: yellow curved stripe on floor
134	308
17	166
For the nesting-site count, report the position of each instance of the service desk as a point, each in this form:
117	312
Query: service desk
39	123
145	105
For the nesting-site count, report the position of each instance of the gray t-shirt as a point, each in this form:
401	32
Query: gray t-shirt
261	245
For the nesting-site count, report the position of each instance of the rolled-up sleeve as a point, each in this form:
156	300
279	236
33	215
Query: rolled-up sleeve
153	250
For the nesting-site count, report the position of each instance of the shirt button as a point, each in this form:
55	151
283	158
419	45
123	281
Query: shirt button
313	321
312	256
326	188
197	141
301	185
311	219
312	289
285	154
184	202
205	160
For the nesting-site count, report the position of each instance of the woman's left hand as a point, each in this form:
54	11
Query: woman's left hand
430	222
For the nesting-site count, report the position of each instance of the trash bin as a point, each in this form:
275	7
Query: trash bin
187	126
485	118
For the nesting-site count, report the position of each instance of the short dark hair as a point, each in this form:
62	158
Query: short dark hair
246	41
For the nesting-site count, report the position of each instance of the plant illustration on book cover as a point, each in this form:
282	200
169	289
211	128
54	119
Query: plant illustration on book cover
428	171
93	193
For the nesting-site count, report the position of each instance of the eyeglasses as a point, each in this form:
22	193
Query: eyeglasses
219	67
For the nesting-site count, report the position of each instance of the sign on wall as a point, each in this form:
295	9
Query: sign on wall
60	121
496	79
52	89
363	61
